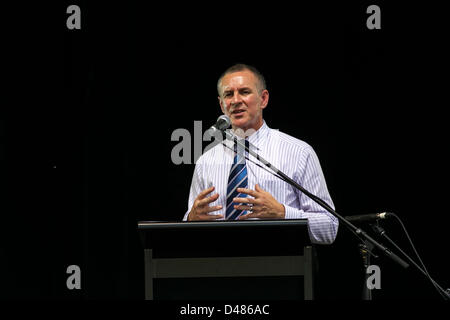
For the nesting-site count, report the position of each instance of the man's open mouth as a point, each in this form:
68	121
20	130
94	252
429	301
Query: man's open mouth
238	112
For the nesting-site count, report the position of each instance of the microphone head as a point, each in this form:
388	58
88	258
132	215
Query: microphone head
385	215
223	122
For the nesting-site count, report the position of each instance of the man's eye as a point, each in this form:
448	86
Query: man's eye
227	94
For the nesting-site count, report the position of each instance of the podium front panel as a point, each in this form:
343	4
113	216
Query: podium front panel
215	260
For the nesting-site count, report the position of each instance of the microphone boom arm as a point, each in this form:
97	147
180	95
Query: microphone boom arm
319	201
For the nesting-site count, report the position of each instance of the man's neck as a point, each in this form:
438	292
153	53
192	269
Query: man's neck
244	133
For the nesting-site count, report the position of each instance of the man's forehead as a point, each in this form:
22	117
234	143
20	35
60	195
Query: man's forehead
238	79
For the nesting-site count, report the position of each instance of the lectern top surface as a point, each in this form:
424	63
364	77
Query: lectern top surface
221	223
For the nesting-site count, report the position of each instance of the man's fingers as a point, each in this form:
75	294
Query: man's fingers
213	208
203	194
248	208
205	201
206	217
245	200
211	216
258	188
250	192
248	216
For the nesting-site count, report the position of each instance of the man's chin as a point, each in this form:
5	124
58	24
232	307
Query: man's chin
240	123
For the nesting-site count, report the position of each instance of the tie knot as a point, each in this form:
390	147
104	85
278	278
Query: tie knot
239	146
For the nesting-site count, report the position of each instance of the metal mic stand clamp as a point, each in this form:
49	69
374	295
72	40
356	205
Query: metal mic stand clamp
365	249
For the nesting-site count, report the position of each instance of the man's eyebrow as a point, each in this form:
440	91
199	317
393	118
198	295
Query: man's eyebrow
240	89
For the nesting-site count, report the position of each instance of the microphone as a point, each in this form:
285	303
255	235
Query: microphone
369	217
218	129
223	122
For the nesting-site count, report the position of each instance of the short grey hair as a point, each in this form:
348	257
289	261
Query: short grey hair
241	67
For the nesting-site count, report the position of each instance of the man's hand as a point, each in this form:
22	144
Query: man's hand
201	209
263	206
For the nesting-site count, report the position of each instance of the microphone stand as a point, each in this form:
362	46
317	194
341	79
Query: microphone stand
381	232
323	204
365	249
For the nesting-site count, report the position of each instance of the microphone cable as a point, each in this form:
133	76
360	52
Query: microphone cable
379	230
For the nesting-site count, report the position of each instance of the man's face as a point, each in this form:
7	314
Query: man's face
241	100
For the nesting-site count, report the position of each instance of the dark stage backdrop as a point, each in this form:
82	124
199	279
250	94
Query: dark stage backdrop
86	141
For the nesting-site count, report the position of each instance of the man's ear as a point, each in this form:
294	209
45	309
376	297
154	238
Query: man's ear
264	98
221	105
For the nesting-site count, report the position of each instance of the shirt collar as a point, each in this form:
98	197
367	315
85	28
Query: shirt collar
260	135
256	139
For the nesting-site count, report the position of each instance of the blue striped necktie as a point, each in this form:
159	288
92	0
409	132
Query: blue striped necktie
237	179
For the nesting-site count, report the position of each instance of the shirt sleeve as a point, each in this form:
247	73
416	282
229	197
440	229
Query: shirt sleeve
196	187
322	225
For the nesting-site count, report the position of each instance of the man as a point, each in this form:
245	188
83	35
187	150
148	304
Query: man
244	188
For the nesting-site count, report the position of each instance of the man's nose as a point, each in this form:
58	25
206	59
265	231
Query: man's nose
236	98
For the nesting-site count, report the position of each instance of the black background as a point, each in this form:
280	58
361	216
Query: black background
86	136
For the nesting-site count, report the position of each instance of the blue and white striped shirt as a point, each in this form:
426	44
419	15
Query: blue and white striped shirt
292	156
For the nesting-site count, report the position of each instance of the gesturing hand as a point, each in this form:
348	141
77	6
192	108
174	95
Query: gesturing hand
201	209
263	206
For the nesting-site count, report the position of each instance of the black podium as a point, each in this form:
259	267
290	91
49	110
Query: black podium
237	260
